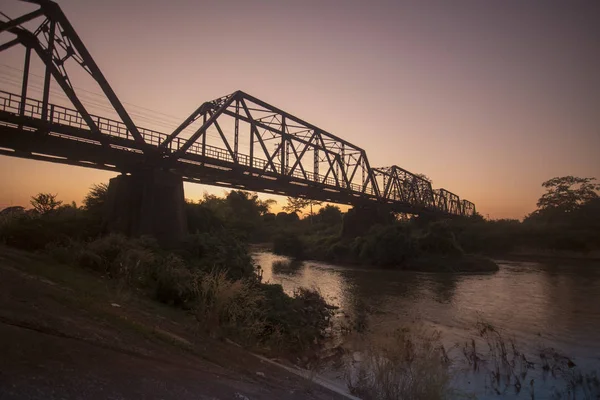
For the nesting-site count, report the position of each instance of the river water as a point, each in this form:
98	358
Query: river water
538	304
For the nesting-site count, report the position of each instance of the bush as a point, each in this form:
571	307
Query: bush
289	244
32	231
440	239
299	321
218	250
229	306
386	245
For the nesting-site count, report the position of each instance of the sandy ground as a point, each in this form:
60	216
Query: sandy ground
66	334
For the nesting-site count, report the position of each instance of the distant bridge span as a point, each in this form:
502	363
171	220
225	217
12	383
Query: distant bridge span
236	141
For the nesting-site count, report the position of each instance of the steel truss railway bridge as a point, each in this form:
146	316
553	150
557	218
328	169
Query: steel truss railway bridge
237	141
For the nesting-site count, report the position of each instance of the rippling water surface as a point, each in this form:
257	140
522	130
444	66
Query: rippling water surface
552	303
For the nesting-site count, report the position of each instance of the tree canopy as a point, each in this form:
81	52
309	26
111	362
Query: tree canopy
45	202
567	193
297	204
96	198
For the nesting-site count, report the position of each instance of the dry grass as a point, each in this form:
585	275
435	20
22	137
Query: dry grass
224	305
407	364
498	359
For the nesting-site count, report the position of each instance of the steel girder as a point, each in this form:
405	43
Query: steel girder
55	41
264	138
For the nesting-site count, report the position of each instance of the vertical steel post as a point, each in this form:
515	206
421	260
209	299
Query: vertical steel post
343	165
316	166
47	75
25	80
237	130
204	136
287	155
362	170
251	144
283	145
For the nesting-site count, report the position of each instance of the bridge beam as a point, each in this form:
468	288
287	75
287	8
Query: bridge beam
147	203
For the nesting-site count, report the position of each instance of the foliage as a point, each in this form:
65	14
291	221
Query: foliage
440	239
386	245
213	277
228	306
297	204
95	199
44	203
289	244
217	250
567	193
329	215
34	231
299	320
242	212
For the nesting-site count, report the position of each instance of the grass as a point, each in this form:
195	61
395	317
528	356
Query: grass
413	364
406	364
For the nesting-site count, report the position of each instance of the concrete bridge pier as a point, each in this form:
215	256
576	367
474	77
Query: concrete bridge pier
149	202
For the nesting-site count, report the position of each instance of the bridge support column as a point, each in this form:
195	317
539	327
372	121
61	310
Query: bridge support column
147	203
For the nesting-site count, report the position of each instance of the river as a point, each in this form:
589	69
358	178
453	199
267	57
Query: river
553	303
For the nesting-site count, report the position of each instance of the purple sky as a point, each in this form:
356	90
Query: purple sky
487	99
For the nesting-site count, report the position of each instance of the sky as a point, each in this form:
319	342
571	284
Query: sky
488	99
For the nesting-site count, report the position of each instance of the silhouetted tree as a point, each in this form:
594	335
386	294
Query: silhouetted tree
330	215
242	211
297	204
43	203
95	200
567	193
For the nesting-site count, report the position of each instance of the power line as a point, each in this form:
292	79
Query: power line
15	81
100	95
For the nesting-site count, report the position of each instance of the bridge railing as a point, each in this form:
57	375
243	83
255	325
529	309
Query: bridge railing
33	108
220	154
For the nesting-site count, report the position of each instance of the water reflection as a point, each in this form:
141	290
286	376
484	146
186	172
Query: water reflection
556	304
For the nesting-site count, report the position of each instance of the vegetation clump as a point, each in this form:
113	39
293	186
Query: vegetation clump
210	273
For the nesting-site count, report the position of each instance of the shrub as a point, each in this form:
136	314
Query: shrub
440	239
173	283
32	231
218	250
289	244
387	245
298	321
223	305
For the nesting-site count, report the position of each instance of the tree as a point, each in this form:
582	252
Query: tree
95	200
239	210
567	193
297	204
330	215
43	203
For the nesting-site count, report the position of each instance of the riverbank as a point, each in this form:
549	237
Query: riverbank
67	333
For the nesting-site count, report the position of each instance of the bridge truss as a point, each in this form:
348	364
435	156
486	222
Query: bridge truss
236	141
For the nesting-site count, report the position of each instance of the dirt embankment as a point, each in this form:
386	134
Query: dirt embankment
66	334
